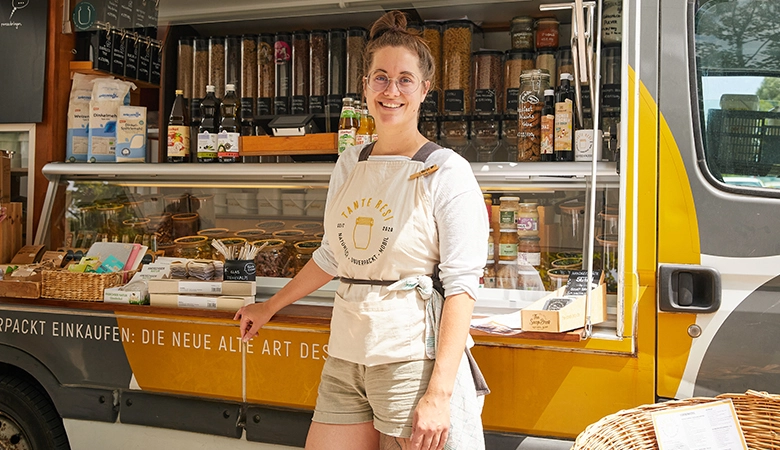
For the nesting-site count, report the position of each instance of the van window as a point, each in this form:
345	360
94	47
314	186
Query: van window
737	47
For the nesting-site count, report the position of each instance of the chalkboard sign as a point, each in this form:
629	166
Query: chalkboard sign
240	270
23	53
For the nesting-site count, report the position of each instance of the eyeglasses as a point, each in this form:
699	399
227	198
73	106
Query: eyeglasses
378	81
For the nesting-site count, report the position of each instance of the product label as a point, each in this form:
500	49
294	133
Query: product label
118	53
264	106
512	99
247	107
194	301
563	126
612	21
610	95
156	65
507	219
431	102
361	139
298	104
281	105
485	101
548	131
199	287
131	58
346	139
178	140
282	52
126	14
112	13
453	100
317	104
527	224
505	250
227	144
139	15
207	145
491	250
102	44
583	145
532	259
143	61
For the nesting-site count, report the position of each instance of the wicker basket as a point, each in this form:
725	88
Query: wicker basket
88	287
632	429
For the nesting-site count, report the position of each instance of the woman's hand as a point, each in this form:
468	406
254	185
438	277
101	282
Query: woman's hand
252	317
431	423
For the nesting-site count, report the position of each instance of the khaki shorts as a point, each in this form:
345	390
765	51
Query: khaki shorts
351	393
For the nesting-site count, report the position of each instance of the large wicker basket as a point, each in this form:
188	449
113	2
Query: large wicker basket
88	287
632	429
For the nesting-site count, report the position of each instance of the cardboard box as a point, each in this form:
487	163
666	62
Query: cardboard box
28	254
570	317
11	232
215	288
221	303
134	297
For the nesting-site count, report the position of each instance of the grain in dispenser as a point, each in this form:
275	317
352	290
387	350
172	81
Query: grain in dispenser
456	54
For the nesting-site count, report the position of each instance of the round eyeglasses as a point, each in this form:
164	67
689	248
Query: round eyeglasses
378	81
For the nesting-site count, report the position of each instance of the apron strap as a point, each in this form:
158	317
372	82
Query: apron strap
421	155
370	282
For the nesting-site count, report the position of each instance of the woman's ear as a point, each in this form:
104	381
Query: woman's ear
427	86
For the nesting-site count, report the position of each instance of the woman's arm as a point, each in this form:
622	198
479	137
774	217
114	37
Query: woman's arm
254	316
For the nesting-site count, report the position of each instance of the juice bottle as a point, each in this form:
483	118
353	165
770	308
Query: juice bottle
178	131
227	139
364	131
209	127
347	125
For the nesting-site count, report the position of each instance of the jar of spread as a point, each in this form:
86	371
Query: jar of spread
529	251
491	245
527	219
507	245
489	205
547	34
508	212
521	31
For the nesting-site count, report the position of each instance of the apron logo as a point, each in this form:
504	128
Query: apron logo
361	234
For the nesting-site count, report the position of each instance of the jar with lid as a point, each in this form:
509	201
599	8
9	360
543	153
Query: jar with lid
488	83
185	224
507	245
214	233
558	278
515	63
456	56
508	210
270	225
184	66
612	22
565	62
318	70
455	135
508	149
217	65
251	234
300	72
266	74
491	246
545	60
506	275
303	252
162	227
272	259
547	34
309	228
527	219
529	251
109	219
337	68
489	275
200	69
233	61
432	32
521	32
192	247
283	72
356	43
609	260
572	224
290	237
610	223
485	137
529	114
135	229
248	75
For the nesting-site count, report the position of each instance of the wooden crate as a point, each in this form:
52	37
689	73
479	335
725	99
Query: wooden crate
10	231
311	144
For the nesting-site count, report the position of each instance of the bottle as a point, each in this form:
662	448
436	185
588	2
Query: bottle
347	125
209	127
364	131
548	126
178	131
227	139
356	112
371	125
564	120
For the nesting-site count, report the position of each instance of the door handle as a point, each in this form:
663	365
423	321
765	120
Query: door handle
688	288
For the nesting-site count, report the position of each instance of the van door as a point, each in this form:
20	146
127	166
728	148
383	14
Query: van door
719	197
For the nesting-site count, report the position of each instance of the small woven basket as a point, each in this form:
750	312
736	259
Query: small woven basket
88	287
632	429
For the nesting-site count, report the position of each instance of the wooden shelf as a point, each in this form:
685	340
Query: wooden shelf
312	144
85	67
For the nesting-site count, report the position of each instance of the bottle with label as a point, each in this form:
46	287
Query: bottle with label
364	131
548	126
347	125
227	139
178	131
564	120
209	126
371	125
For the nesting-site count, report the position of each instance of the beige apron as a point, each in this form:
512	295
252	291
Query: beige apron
381	228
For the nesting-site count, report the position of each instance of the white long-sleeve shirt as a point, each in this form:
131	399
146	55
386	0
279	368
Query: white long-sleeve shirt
459	211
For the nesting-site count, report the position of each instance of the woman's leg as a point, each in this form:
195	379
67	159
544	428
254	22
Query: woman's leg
393	443
359	436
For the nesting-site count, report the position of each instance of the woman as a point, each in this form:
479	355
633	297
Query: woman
390	218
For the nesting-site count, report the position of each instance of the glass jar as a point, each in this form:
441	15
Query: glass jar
162	227
558	278
290	237
185	224
192	247
110	220
272	259
432	37
565	62
485	137
528	219
508	209
232	244
489	274
508	149
569	264
337	63
283	71
300	72
506	275
529	251
270	225
612	22
266	76
491	246
136	229
233	62
356	43
488	198
572	225
610	221
303	252
248	72
488	84
515	63
251	234
547	34
153	205
521	32
200	68
609	260
318	70
214	233
309	228
429	127
455	134
456	56
507	245
545	60
217	65
529	114
184	66
203	204
176	203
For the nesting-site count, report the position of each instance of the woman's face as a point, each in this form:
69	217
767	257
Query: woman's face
397	104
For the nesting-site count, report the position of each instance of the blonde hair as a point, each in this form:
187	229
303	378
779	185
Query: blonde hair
390	31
